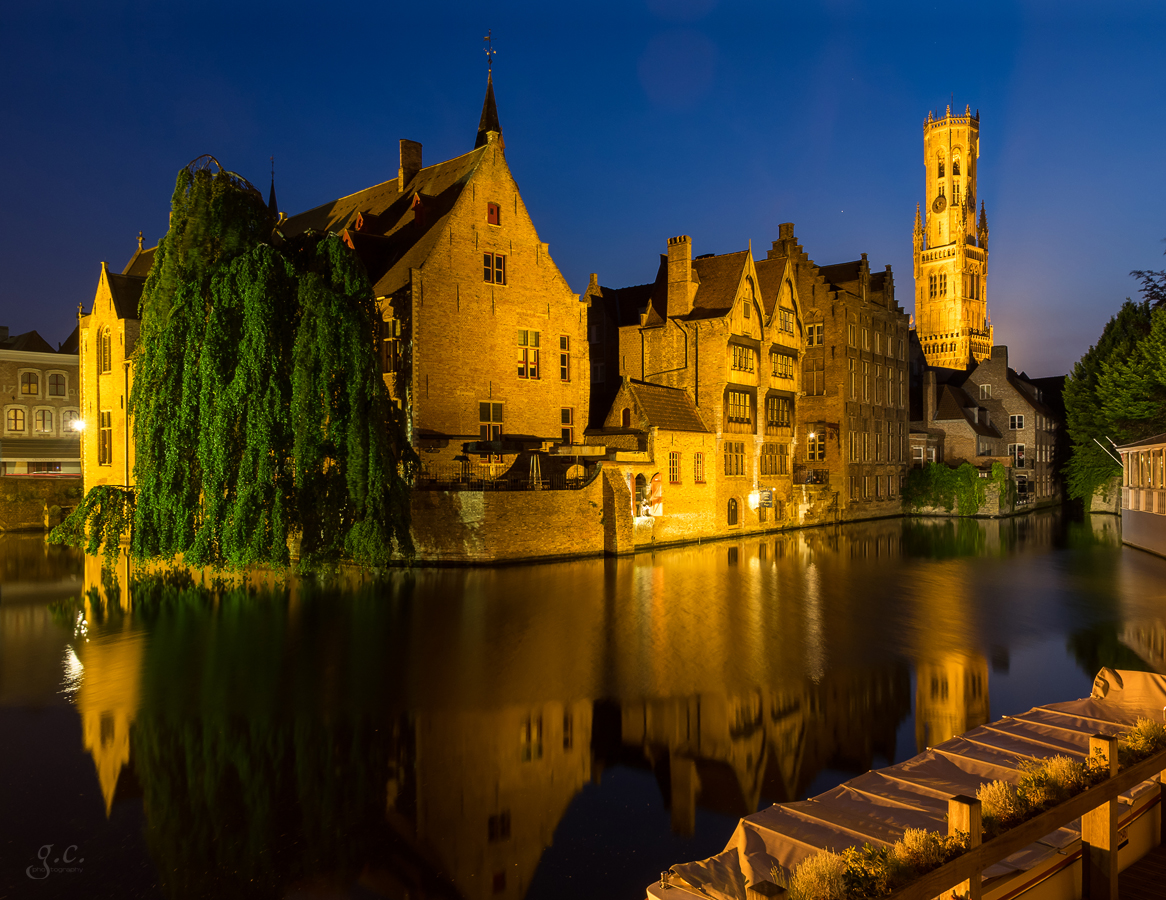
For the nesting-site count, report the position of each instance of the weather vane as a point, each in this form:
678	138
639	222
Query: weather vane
490	51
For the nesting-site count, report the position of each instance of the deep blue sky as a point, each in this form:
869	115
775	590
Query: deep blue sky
624	124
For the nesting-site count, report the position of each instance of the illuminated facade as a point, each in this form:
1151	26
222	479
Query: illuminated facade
951	247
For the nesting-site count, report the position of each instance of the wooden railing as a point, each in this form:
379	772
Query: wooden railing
1096	806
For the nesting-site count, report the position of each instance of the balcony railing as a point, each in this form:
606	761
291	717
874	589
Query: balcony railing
806	475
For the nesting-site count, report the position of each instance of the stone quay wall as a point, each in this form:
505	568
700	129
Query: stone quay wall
37	502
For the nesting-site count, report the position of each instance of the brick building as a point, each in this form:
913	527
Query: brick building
483	343
107	336
41	406
729	338
854	383
985	415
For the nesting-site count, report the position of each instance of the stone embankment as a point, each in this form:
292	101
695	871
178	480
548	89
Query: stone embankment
37	502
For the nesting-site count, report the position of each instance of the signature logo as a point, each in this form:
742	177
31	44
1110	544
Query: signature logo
68	857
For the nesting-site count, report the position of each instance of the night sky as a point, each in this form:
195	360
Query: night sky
625	124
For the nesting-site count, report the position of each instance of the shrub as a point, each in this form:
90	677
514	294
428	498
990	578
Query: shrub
819	877
1000	806
1146	738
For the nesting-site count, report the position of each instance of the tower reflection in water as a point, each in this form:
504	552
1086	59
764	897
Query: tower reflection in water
426	736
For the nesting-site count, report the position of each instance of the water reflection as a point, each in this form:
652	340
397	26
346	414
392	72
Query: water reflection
434	735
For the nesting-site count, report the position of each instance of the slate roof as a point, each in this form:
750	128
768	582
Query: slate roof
669	409
954	403
127	292
139	265
29	342
719	277
841	274
72	342
626	304
770	272
389	213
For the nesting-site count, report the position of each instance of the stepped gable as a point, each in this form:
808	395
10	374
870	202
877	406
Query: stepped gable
669	409
406	222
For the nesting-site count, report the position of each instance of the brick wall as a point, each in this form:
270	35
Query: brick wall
27	501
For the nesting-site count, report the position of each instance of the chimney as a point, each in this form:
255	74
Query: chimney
410	163
928	398
785	245
1000	355
680	287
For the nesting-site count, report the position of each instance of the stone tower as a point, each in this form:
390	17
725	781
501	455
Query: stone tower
951	247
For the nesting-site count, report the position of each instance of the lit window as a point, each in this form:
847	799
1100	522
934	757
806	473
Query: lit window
528	354
105	438
739	407
68	421
674	467
782	365
494	268
30	383
16	420
56	385
698	468
786	320
734	458
44	421
816	444
778	412
743	358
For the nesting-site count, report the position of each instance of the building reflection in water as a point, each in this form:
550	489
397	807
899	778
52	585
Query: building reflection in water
427	736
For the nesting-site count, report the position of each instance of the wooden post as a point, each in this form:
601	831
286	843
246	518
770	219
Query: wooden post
1099	833
963	814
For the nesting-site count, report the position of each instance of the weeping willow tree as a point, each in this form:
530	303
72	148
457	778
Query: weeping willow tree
259	411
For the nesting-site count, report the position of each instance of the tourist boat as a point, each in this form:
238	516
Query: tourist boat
877	807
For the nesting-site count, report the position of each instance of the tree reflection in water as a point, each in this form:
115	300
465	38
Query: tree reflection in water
429	733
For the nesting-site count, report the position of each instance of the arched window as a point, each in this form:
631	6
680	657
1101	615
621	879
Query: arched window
104	363
625	419
44	421
30	383
732	512
955	166
16	420
940	168
641	495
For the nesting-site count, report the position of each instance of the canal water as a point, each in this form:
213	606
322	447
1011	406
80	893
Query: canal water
565	730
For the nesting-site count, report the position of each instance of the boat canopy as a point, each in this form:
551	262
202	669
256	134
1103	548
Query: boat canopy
877	807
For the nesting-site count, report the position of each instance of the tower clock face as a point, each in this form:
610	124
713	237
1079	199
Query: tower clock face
940	204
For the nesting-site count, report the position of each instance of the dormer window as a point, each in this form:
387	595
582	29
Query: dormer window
493	214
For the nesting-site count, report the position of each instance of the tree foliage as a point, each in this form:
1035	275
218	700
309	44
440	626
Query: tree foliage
259	411
1116	391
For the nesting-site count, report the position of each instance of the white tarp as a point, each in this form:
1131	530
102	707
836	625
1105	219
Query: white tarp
878	806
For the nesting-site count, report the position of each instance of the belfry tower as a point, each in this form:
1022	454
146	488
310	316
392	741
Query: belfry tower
951	247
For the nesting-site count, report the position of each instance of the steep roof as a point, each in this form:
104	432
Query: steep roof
139	265
72	342
955	404
770	272
410	220
127	292
719	278
29	342
841	274
669	409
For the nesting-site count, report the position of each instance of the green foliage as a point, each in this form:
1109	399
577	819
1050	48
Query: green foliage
937	485
259	410
101	520
1117	391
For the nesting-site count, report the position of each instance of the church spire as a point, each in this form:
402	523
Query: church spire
489	120
272	205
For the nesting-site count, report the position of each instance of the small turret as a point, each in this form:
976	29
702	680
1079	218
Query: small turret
982	230
489	121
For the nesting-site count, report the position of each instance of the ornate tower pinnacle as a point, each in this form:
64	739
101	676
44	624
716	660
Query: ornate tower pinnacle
951	252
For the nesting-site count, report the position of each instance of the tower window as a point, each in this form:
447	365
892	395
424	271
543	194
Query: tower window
941	169
955	167
943	284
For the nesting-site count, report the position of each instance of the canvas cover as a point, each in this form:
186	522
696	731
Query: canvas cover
878	806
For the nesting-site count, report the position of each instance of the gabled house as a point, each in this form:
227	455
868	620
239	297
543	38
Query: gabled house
483	343
712	328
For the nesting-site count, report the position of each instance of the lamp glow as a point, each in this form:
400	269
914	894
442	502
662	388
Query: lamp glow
78	425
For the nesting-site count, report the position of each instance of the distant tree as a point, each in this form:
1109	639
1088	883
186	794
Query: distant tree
1116	391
